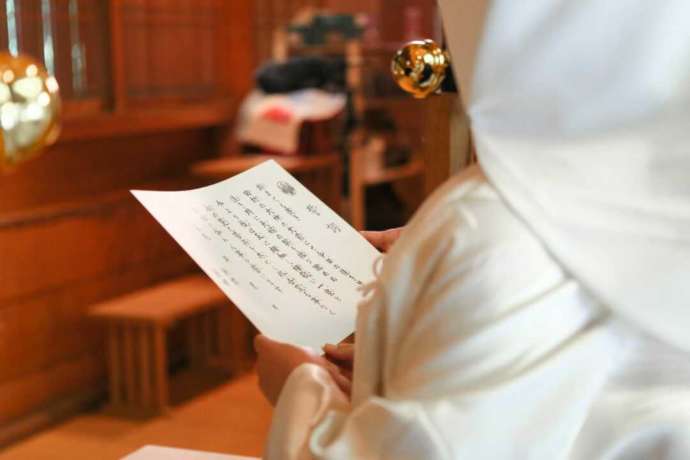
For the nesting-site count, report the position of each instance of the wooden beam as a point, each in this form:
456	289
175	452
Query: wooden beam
146	121
88	169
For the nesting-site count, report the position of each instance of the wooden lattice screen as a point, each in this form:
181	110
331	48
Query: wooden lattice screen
170	49
67	36
108	54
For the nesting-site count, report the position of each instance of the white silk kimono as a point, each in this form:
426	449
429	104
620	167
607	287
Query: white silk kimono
475	344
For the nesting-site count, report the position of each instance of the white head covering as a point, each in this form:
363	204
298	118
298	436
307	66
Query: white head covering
580	112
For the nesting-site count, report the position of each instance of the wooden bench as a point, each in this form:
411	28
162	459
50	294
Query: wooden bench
136	338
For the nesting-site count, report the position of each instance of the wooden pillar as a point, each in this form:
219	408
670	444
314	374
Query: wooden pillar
237	60
146	381
357	189
335	178
241	335
114	363
206	320
194	341
445	139
129	364
160	355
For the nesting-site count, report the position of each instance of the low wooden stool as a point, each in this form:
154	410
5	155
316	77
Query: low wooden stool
136	338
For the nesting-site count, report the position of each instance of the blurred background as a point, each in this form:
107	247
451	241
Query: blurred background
109	337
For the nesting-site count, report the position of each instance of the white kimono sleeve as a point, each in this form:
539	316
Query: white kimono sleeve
471	315
314	420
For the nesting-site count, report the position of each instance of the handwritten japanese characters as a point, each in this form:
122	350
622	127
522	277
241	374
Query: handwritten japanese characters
288	262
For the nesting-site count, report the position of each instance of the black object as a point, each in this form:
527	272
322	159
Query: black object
448	85
384	209
397	155
302	73
321	26
378	121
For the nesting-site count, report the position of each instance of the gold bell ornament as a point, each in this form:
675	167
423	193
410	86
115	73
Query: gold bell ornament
420	67
29	109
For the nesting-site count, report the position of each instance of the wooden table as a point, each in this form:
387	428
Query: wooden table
321	174
137	326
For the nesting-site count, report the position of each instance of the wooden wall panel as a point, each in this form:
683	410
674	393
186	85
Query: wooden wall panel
77	49
74	170
436	139
70	234
80	51
41	331
169	48
354	6
238	57
41	253
20	396
394	27
57	262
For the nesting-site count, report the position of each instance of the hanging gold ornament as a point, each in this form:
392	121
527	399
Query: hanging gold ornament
420	67
29	109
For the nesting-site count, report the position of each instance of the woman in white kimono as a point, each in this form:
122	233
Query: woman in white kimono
537	307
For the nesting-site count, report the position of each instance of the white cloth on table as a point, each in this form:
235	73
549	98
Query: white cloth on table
475	344
273	121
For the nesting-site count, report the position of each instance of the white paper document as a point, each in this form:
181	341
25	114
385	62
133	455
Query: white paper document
171	453
285	259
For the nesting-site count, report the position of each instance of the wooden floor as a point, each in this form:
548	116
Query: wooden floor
232	418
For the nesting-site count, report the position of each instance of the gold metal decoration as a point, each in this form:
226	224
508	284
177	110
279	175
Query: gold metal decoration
29	109
420	67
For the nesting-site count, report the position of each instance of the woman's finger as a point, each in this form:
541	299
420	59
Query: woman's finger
261	342
384	240
375	238
343	382
340	352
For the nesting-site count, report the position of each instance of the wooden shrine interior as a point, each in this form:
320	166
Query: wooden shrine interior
162	88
